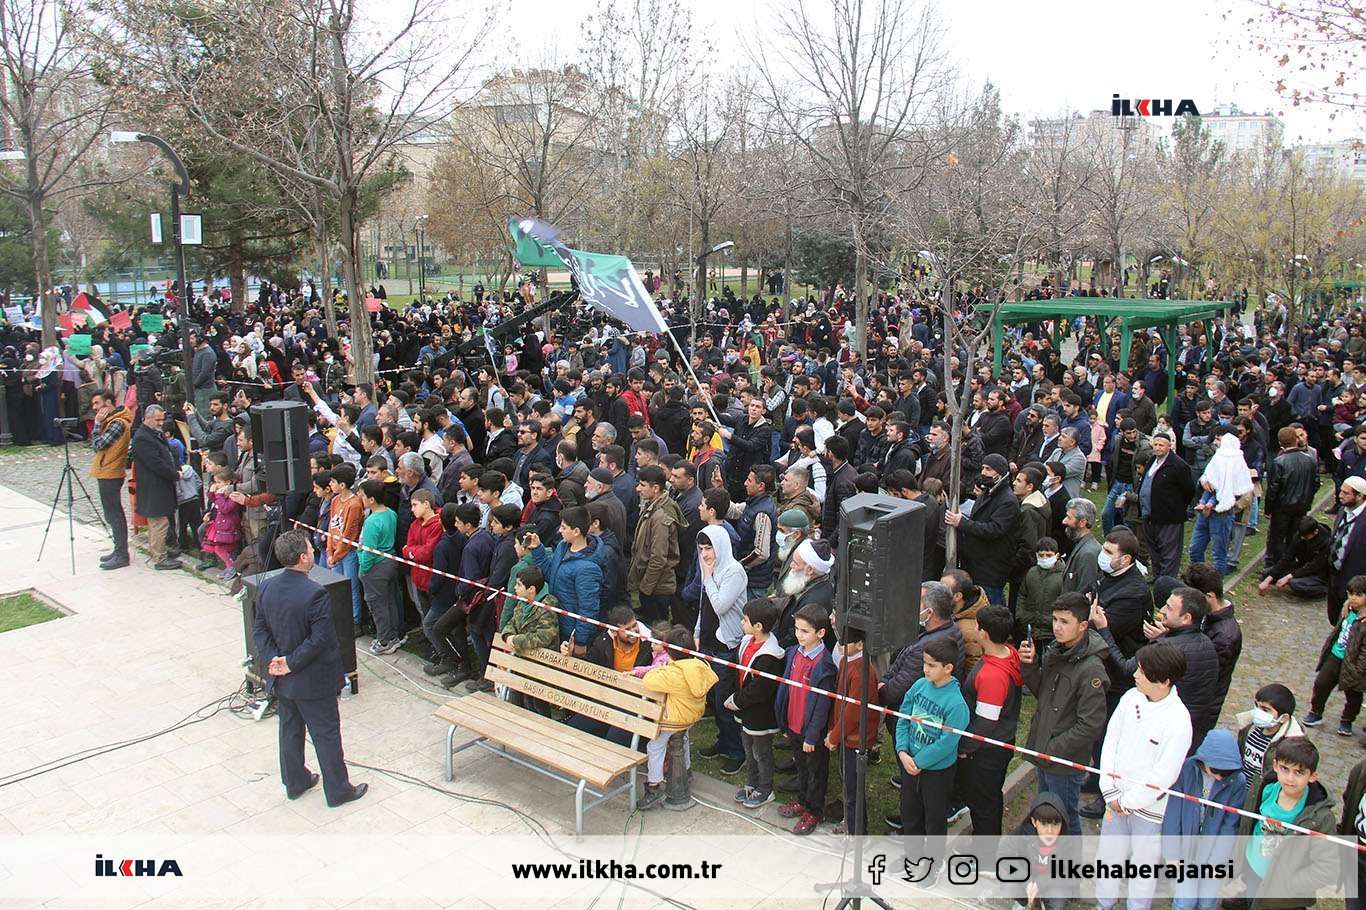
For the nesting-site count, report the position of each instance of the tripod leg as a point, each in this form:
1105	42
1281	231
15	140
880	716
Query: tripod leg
52	513
85	492
71	517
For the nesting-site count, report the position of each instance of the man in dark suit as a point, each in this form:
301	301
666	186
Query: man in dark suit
294	632
1164	491
156	474
1347	558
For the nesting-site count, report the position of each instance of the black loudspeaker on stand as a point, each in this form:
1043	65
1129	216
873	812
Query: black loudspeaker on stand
338	589
877	590
279	440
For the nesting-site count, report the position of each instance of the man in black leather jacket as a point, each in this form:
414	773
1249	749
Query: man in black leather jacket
1292	480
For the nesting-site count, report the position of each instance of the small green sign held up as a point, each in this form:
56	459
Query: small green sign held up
78	345
152	322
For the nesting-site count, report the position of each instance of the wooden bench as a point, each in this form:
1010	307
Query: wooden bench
586	762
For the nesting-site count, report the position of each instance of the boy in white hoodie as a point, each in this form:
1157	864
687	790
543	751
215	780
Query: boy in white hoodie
1145	743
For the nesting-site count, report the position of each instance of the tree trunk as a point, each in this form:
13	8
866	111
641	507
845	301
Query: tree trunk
237	279
362	342
955	426
699	288
42	268
860	294
787	263
325	265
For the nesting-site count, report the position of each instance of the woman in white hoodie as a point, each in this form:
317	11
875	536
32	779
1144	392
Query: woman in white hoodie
1145	745
718	633
1225	479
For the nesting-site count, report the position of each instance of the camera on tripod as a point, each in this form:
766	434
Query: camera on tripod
66	423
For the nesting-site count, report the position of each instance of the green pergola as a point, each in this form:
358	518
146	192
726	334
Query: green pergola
1132	314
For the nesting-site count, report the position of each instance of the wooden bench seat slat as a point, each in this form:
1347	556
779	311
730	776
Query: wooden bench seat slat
588	688
572	702
578	666
555	749
564	759
602	752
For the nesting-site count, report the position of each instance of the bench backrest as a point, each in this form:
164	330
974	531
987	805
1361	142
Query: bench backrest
617	699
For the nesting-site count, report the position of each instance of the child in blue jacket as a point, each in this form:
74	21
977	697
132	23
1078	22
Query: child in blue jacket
927	754
1197	833
804	715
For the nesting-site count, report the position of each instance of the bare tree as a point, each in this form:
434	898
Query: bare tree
1057	170
1315	44
364	89
638	55
851	81
54	111
1119	192
971	223
708	123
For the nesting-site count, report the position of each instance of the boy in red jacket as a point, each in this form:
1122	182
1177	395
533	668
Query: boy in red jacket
423	535
992	692
844	725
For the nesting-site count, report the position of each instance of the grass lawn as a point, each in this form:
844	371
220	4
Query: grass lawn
23	609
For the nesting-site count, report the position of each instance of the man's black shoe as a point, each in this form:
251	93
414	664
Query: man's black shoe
893	822
712	751
168	564
896	780
173	553
437	667
108	556
312	782
115	564
786	766
357	792
733	766
834	810
1094	809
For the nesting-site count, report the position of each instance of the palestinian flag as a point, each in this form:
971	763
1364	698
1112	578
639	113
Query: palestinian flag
94	311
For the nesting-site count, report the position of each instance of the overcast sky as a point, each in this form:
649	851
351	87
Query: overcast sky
1046	58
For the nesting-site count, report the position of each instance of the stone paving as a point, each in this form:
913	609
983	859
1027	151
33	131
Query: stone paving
141	650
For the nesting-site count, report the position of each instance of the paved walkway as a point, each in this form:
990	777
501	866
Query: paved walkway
143	649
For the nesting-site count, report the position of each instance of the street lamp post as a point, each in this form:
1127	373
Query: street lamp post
702	289
177	189
421	265
6	438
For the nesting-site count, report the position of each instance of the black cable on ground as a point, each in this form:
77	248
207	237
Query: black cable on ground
225	703
531	822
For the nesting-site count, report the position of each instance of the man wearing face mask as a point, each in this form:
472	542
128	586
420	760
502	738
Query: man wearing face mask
987	539
1123	596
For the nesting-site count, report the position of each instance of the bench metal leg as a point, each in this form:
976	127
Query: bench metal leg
578	808
631	806
450	752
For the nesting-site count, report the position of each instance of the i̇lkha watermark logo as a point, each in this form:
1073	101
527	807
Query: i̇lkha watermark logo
1152	107
146	868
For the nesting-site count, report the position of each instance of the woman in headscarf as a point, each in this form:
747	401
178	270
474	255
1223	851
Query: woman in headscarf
49	377
1225	479
717	632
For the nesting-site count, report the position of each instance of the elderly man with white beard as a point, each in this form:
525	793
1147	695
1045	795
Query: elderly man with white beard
806	581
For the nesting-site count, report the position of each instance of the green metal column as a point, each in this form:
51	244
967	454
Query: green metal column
1209	343
997	340
1126	338
1172	335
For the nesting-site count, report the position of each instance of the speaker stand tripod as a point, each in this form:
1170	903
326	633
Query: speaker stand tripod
69	476
853	891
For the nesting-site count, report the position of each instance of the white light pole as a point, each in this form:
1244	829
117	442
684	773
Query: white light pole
177	189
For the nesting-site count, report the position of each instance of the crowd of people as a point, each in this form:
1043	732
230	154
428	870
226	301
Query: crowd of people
698	503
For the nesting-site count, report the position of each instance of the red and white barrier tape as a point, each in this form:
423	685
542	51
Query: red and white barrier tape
881	709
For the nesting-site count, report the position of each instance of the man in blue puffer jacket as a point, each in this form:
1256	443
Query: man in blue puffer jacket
574	576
